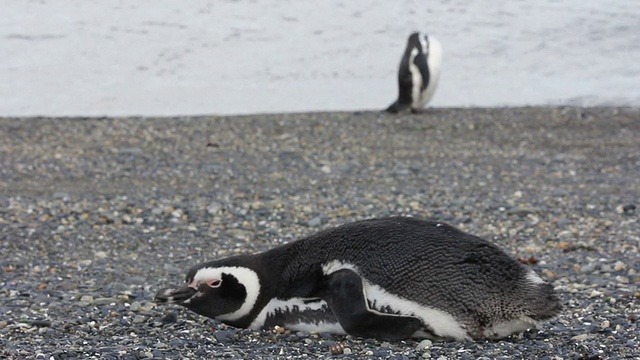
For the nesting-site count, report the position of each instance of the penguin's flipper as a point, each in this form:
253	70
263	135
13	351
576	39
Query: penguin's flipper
344	293
420	62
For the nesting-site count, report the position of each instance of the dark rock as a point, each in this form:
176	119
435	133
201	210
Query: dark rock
315	222
225	336
41	323
170	318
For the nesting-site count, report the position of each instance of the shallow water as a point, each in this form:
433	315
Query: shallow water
74	57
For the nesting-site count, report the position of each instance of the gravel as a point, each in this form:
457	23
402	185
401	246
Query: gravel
97	214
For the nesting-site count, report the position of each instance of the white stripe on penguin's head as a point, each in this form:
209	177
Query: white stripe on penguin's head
424	44
247	277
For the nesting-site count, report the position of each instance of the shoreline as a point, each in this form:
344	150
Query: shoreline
428	110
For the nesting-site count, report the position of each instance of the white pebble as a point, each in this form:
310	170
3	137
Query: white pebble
619	266
346	351
605	324
214	208
622	279
424	344
594	293
583	337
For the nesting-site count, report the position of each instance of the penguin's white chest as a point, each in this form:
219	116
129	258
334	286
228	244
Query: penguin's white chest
433	52
298	314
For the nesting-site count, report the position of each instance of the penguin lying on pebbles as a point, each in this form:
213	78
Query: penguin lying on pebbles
418	74
391	278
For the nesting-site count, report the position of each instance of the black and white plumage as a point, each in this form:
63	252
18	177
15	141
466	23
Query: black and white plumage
390	278
418	74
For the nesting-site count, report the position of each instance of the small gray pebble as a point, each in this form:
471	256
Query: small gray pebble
225	336
315	222
135	306
103	301
137	280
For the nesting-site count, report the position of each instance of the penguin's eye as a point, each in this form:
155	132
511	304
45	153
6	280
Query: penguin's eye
214	283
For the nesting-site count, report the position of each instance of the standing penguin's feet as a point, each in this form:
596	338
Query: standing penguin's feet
396	108
344	293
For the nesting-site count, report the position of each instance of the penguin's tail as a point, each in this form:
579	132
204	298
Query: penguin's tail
545	302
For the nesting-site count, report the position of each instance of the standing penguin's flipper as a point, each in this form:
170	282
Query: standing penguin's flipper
344	293
420	62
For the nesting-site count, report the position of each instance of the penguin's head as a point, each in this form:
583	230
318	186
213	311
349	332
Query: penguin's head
224	293
416	41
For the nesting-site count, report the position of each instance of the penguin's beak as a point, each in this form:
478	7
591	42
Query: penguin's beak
179	295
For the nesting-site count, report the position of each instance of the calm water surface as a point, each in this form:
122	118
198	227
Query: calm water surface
154	57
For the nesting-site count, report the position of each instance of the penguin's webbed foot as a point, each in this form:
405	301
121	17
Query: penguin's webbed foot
393	108
397	108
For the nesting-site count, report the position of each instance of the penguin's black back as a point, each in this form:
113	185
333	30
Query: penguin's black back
405	79
423	261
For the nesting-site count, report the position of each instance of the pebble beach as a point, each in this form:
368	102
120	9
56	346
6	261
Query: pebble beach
97	214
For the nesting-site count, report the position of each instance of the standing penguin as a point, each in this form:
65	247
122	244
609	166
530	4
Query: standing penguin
418	74
390	278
